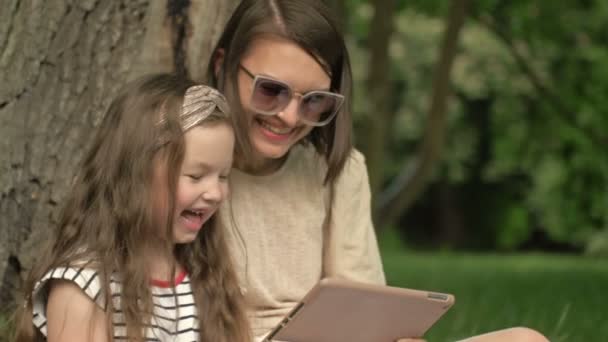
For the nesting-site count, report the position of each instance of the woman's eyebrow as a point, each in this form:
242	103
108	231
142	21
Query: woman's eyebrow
308	90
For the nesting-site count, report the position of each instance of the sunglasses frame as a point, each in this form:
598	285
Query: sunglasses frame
291	94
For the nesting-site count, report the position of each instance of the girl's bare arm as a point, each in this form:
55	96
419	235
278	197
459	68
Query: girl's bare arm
72	316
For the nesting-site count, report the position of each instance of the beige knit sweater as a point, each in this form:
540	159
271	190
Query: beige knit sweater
276	232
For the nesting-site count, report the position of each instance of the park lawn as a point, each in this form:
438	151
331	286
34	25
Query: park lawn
562	296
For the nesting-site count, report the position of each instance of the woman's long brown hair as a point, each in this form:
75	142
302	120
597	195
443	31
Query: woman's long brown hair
108	219
311	25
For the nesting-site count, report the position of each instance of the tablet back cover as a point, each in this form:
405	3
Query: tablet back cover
340	310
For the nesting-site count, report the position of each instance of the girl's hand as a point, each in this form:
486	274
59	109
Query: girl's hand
411	340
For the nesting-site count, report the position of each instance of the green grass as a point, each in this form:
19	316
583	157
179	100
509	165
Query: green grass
564	297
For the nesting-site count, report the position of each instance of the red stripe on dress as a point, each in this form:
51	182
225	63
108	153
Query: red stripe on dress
167	284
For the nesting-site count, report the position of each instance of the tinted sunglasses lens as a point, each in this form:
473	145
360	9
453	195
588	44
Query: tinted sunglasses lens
269	97
318	106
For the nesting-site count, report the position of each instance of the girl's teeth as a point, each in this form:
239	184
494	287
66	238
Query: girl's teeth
197	213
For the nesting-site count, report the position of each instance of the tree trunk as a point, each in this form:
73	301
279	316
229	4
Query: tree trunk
61	63
380	117
414	176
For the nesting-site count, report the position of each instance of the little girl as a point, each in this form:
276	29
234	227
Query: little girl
137	254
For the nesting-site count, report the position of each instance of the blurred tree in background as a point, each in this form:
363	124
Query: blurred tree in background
484	122
523	164
484	125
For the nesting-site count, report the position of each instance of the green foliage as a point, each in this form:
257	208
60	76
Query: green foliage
515	228
598	244
545	141
561	147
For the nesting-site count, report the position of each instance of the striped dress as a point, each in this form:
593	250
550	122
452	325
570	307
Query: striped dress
175	318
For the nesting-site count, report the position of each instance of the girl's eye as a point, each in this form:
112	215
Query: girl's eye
195	177
224	177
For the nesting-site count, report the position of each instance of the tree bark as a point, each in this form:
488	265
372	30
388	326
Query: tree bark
61	63
380	117
414	177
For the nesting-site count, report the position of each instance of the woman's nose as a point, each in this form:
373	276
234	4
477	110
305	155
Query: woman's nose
289	114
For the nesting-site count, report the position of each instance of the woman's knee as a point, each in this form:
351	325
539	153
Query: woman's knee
517	334
524	334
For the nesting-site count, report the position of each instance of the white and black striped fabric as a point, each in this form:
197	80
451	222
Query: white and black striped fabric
175	317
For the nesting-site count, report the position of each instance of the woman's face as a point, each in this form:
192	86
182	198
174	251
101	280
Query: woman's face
271	136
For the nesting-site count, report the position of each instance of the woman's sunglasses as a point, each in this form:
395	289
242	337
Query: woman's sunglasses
315	108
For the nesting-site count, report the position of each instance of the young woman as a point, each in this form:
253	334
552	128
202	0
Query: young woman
300	208
137	254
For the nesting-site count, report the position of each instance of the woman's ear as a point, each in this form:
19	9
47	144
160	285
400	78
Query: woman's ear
218	60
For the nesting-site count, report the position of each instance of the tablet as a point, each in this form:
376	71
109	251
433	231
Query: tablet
342	310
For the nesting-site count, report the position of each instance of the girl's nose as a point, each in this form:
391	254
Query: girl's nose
213	192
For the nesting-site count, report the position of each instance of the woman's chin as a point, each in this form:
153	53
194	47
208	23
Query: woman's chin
268	151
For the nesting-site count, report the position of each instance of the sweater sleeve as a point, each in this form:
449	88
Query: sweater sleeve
351	246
